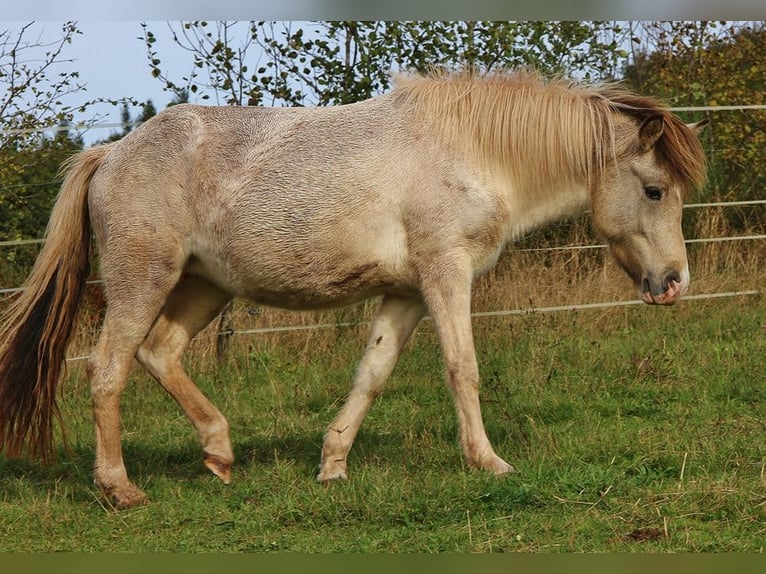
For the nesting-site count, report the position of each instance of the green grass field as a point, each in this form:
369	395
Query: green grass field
633	429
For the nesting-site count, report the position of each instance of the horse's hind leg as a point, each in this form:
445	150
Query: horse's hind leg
192	304
133	303
392	327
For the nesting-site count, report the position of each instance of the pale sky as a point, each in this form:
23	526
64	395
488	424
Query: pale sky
112	63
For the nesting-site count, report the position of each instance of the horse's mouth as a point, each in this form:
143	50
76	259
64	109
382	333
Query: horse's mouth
672	293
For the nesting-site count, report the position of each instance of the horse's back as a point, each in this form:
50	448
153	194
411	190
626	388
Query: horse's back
230	149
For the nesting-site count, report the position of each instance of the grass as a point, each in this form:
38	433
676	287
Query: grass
632	429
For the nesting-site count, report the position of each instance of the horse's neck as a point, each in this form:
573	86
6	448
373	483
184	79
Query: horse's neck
533	209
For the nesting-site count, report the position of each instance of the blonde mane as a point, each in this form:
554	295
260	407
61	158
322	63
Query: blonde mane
553	131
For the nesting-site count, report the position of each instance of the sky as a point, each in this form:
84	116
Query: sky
111	59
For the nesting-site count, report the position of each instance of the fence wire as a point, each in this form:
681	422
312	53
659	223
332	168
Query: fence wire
476	315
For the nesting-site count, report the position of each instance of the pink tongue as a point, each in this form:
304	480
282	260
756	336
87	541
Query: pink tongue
674	290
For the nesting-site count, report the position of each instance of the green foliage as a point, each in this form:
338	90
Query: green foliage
712	64
147	111
337	62
685	63
634	430
28	189
32	83
34	77
715	64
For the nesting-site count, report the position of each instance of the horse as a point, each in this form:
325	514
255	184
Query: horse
408	196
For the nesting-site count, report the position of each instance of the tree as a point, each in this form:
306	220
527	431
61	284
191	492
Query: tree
27	192
325	63
148	111
701	64
128	123
34	77
181	97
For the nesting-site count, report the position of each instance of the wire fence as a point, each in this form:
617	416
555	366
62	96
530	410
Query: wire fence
20	242
701	240
481	314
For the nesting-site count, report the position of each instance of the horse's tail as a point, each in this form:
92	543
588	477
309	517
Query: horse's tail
37	326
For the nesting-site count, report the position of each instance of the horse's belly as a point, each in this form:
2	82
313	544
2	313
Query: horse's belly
305	280
302	292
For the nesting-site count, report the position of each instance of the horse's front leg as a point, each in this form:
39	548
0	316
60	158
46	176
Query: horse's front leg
448	295
397	317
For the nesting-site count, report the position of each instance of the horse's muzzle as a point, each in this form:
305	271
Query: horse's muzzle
665	292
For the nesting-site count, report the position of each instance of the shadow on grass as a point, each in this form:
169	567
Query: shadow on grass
415	443
185	461
74	467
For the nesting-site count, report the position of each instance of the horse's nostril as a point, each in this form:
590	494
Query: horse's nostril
646	287
673	276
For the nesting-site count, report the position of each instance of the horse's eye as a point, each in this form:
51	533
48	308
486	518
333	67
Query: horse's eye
653	193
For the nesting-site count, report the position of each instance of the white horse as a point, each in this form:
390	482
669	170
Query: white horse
410	195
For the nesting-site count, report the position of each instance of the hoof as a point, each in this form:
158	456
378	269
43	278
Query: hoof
507	469
126	498
219	467
332	473
496	466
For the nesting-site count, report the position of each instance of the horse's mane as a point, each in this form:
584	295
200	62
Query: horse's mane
679	149
556	130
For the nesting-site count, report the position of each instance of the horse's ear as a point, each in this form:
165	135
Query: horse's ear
649	132
697	127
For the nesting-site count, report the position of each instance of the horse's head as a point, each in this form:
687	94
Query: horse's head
638	203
